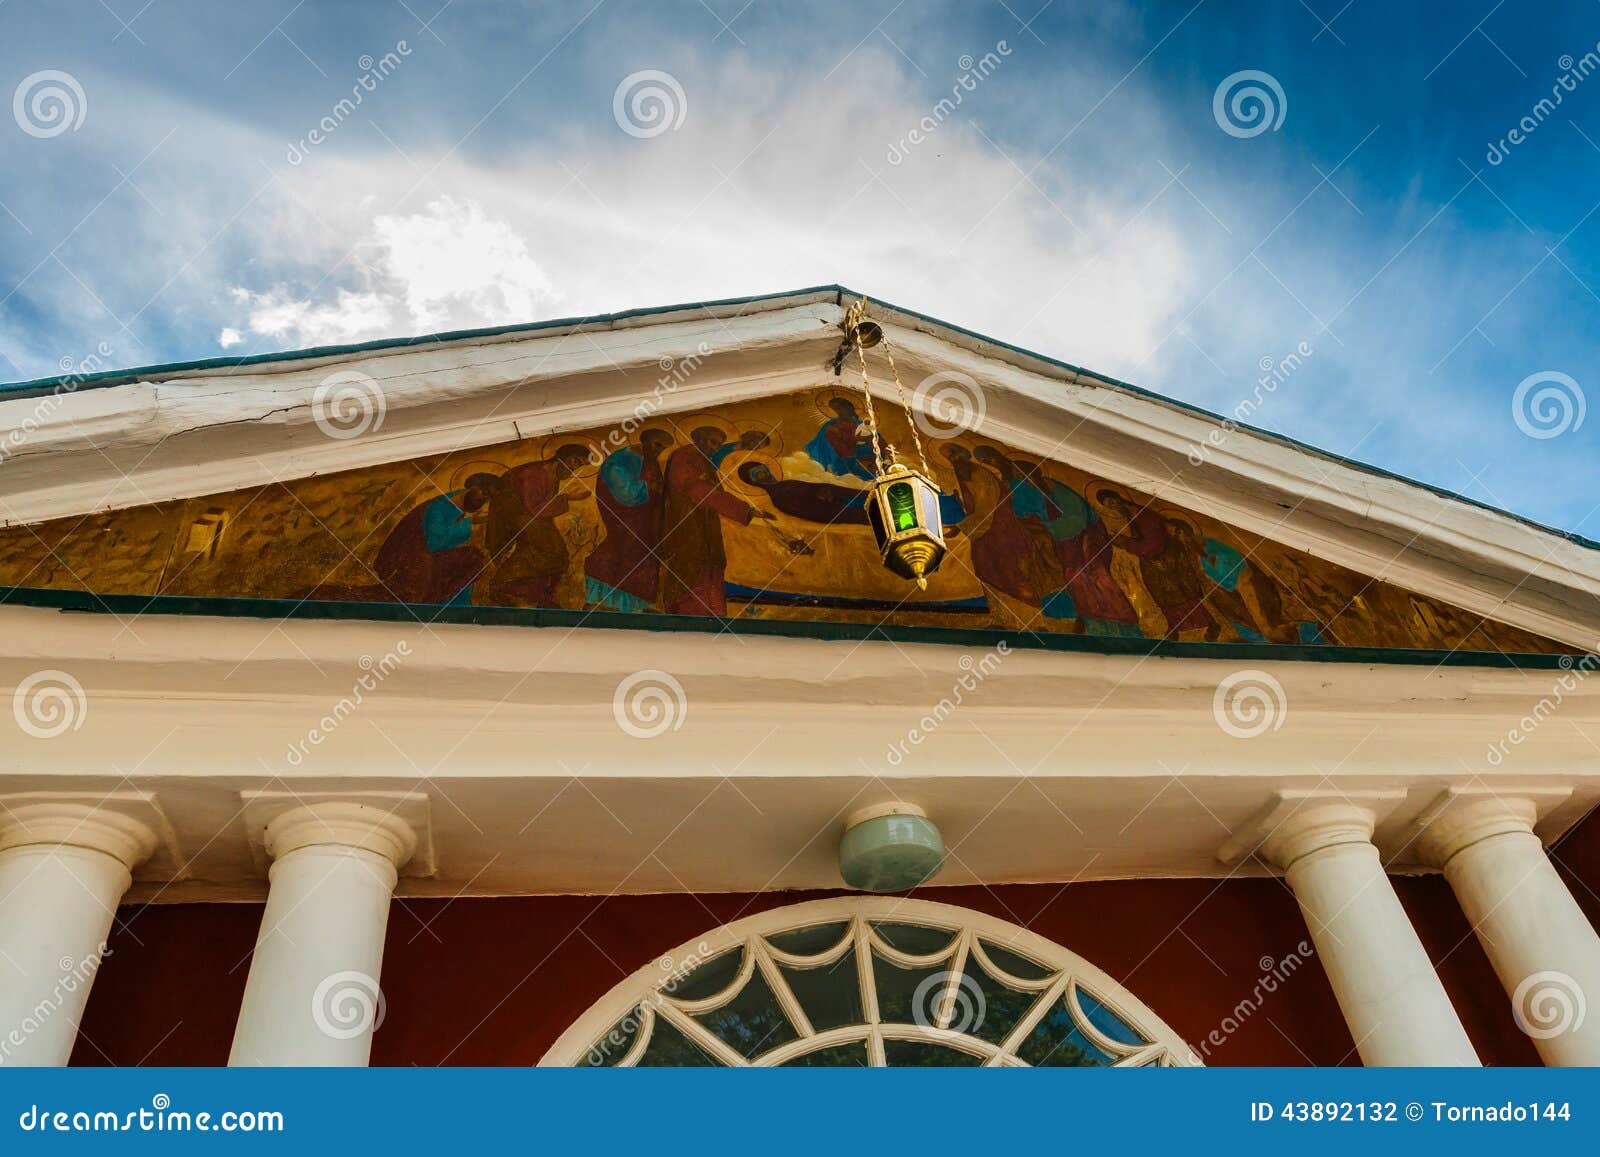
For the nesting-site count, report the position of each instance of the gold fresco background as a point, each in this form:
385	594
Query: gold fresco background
281	540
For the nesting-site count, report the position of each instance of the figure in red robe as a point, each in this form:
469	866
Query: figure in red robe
623	572
428	557
693	558
1174	581
528	551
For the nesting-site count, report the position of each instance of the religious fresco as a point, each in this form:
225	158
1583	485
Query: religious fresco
756	510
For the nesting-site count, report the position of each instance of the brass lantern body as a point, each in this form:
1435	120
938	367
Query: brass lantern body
903	507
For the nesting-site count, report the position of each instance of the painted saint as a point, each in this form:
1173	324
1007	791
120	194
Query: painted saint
428	558
622	573
839	446
526	547
694	559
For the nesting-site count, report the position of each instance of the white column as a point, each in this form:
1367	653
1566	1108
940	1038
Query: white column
312	997
1543	948
63	869
1386	986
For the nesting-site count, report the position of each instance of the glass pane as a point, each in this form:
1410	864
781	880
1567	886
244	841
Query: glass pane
1019	966
1057	1042
924	1054
987	1009
670	1049
906	995
1108	1022
753	1021
914	938
614	1045
831	994
852	1055
809	941
706	979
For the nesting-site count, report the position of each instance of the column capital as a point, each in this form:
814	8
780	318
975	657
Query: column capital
1462	816
1296	822
392	825
127	826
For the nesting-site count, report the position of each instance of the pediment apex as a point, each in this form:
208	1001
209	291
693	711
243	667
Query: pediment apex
115	440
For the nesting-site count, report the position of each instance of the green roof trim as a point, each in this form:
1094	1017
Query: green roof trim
283	609
40	387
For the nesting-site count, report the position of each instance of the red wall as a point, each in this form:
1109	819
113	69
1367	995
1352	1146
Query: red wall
494	982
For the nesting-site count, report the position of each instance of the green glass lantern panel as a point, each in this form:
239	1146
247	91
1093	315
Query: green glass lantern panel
903	506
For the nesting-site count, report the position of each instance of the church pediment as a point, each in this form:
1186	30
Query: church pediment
751	510
707	461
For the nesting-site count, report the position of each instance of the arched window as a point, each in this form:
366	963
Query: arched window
869	980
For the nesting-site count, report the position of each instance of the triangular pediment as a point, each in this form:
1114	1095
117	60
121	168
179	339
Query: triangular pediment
444	474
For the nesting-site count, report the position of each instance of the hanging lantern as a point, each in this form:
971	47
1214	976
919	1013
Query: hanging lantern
904	510
903	505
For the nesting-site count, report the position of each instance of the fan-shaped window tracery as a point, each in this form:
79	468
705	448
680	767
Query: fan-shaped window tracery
870	981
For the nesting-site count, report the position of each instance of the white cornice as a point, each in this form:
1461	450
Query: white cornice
196	433
1051	766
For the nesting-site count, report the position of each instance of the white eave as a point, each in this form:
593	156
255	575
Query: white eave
178	432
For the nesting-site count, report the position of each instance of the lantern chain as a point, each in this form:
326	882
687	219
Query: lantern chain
853	319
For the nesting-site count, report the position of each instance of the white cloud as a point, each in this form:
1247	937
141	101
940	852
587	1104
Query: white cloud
229	337
447	267
797	190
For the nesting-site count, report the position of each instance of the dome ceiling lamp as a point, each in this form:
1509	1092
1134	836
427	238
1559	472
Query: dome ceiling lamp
903	503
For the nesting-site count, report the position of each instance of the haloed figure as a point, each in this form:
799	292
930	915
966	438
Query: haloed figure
622	573
428	557
528	550
693	557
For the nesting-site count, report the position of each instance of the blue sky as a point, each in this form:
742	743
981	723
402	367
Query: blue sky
1083	198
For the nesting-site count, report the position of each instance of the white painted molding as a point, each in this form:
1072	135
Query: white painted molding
1294	823
1461	816
394	825
127	825
202	432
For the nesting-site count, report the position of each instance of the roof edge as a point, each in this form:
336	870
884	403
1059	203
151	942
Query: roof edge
286	609
39	387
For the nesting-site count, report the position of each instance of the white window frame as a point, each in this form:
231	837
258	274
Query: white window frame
644	988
